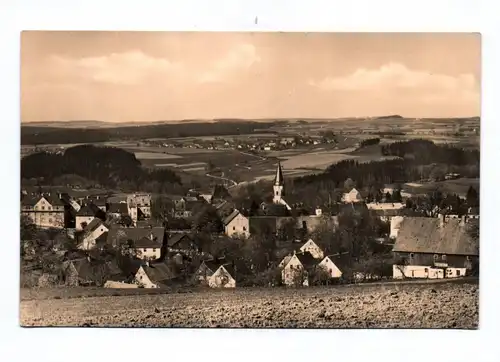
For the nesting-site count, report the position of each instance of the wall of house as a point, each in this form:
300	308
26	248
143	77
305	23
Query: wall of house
385	205
149	253
290	272
119	285
146	211
46	219
132	211
82	219
451	261
330	267
221	279
395	226
142	279
239	225
89	240
417	271
313	249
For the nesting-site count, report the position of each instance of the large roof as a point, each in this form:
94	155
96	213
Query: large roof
158	272
86	211
174	239
117	233
426	235
230	217
307	260
94	224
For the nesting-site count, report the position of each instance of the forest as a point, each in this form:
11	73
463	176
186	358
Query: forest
106	166
33	135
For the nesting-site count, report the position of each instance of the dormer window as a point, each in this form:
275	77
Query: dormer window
443	257
436	257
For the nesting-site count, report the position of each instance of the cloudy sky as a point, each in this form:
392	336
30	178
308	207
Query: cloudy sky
152	76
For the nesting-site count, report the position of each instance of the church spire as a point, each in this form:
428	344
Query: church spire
278	179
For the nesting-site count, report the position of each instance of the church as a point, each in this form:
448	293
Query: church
275	214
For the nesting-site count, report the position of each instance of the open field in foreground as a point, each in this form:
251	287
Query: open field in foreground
451	304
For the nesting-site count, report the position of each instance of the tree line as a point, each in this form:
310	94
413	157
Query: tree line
33	135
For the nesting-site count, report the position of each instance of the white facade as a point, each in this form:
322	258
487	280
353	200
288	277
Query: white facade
385	205
221	279
45	215
329	266
426	272
142	279
239	225
88	241
352	196
395	226
148	253
79	220
293	271
311	247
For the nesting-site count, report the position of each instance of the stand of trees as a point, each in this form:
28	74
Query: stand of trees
107	166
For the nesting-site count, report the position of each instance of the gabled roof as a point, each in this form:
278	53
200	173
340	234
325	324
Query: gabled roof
426	235
30	200
147	242
118	208
278	178
54	200
230	217
174	239
93	225
118	233
158	272
307	260
85	211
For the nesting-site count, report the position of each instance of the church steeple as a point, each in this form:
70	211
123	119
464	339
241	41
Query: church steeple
278	179
278	186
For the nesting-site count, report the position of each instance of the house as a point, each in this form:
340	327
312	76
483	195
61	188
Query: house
311	247
153	275
148	247
223	277
352	196
139	206
333	265
99	202
473	213
296	270
79	272
118	210
435	248
92	232
84	217
147	242
45	211
182	242
236	224
216	274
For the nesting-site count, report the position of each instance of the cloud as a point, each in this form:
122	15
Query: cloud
130	67
239	58
393	77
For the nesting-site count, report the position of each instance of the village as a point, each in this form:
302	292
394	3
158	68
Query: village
162	240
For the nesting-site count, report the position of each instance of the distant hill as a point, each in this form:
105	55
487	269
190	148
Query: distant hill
390	117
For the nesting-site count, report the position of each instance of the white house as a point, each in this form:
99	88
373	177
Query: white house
84	217
395	226
295	272
313	248
222	278
91	233
385	205
153	275
237	224
352	196
44	211
328	264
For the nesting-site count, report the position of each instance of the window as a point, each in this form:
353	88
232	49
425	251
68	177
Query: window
145	249
304	225
43	207
50	220
458	273
244	228
411	255
276	193
234	227
154	250
467	258
102	229
426	270
443	257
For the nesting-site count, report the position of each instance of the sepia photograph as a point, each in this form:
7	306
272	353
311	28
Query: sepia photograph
295	180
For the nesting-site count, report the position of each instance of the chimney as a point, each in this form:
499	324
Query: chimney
151	236
441	219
